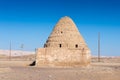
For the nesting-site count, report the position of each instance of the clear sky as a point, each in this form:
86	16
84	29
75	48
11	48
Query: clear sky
30	22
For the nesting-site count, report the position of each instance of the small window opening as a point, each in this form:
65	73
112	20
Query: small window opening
60	45
76	46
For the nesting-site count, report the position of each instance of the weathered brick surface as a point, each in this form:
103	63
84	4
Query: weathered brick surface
65	47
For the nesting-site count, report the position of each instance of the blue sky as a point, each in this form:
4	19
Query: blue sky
30	22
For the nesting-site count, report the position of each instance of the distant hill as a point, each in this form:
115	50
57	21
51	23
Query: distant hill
15	52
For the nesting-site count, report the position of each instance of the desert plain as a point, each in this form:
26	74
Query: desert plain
18	69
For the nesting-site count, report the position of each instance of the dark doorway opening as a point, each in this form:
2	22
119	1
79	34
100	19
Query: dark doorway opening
33	63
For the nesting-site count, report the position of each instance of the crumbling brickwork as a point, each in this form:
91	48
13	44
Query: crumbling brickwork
65	47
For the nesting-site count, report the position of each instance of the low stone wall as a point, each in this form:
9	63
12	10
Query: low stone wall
62	57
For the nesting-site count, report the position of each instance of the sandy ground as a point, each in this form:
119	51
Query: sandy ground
19	70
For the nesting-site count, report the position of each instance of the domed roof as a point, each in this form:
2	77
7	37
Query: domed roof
65	35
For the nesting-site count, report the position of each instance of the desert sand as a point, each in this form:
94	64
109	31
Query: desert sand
107	69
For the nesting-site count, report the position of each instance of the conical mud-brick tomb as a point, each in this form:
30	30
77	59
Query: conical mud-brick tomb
65	47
